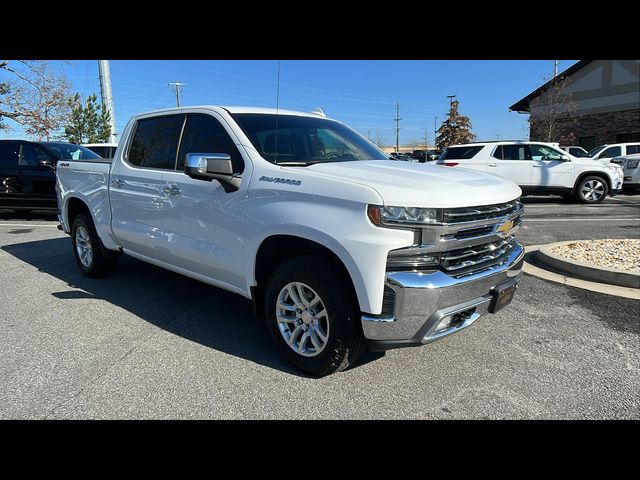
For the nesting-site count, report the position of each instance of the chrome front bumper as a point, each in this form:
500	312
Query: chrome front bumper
426	301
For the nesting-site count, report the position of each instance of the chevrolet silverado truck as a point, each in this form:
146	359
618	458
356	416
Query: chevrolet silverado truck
338	247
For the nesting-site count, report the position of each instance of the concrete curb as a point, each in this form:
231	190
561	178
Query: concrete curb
586	271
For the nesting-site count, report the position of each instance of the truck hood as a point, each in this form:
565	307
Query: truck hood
409	184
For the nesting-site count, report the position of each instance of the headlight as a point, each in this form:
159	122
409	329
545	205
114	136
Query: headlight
632	163
409	216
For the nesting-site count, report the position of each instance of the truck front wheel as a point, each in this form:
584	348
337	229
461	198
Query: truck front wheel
313	316
87	249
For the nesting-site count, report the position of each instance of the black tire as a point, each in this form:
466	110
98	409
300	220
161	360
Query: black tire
99	265
345	340
580	194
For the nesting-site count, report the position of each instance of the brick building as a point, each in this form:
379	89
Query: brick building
606	95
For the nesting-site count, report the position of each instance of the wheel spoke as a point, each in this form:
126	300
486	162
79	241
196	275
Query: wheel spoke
314	339
321	314
287	307
300	291
303	340
320	333
283	319
294	296
294	334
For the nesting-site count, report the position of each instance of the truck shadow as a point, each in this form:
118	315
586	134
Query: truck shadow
188	308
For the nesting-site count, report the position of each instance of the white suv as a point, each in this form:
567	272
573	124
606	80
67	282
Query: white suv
607	152
538	168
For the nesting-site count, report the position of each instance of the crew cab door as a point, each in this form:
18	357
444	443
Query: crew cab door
512	162
549	169
37	180
204	225
138	203
9	188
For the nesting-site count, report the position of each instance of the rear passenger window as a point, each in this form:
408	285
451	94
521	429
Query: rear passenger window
155	142
9	154
515	152
205	134
460	153
611	152
631	149
31	155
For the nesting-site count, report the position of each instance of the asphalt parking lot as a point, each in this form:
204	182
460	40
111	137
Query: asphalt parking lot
147	343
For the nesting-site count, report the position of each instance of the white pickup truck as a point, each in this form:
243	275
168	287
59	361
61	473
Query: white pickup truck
338	246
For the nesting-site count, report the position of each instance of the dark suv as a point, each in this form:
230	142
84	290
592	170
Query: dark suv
27	172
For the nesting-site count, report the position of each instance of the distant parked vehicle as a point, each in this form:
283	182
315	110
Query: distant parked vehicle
401	156
576	151
27	172
607	152
631	166
105	150
420	155
538	168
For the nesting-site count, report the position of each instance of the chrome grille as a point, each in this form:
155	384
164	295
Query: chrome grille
469	214
471	259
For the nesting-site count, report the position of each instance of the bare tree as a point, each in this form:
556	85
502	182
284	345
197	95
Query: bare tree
552	113
35	96
379	138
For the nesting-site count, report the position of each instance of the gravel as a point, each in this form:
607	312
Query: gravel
619	254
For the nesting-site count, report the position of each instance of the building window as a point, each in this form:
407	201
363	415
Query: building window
628	137
587	142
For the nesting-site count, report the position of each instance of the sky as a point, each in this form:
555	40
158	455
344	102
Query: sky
360	93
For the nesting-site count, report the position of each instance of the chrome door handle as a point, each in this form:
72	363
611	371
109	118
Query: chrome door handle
117	183
171	190
537	165
492	165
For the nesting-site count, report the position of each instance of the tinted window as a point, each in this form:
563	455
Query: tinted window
460	153
70	151
104	152
631	149
155	142
542	152
515	152
9	154
611	152
31	155
205	134
305	139
577	152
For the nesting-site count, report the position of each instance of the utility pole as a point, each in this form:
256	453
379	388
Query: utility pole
369	134
498	136
105	94
177	85
451	97
555	68
426	140
397	119
435	131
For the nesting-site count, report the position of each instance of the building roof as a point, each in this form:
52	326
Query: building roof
522	105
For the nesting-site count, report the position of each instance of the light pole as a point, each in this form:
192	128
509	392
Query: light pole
435	130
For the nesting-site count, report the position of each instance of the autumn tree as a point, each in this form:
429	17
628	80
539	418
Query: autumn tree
35	96
552	113
88	122
455	129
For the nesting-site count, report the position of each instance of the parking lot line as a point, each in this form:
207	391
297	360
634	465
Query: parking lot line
54	225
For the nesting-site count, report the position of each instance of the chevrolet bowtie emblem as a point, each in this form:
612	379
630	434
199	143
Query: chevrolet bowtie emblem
505	228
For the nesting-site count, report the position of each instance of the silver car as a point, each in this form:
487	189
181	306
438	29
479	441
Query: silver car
631	166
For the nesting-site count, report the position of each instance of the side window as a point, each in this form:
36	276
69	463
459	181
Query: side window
155	142
498	153
611	152
516	152
542	152
204	134
631	149
9	152
30	155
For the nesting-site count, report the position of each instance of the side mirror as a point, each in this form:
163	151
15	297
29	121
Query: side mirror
45	163
212	166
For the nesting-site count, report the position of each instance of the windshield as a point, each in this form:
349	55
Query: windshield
595	151
304	140
69	151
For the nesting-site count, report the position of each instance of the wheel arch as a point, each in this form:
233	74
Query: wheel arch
583	175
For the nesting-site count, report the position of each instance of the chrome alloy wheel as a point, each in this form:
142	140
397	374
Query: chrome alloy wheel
83	246
593	190
302	319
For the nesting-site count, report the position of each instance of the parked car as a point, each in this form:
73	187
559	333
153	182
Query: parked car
105	150
336	245
433	155
607	152
538	168
631	168
576	151
420	155
401	156
27	172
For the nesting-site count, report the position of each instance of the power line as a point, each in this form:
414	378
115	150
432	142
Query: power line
177	85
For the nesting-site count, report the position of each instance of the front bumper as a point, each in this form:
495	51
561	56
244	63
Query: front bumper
424	302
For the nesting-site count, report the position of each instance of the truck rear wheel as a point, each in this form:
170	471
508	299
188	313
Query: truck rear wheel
87	248
313	316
